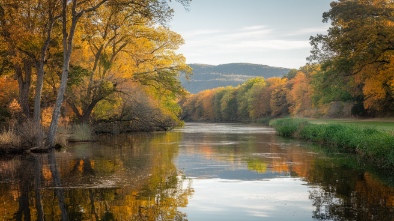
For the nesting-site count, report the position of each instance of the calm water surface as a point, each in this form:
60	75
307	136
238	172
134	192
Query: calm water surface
199	172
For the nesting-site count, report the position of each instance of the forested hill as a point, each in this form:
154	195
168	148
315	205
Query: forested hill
213	76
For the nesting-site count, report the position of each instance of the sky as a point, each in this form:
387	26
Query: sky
268	32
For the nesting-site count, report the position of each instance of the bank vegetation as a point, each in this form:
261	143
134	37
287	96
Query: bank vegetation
373	145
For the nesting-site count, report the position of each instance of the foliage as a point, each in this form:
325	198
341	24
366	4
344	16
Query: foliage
357	53
374	145
254	99
94	49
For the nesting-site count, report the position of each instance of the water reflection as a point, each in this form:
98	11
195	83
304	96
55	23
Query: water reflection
248	172
200	172
133	178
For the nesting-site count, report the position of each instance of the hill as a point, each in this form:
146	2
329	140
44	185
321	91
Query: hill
213	76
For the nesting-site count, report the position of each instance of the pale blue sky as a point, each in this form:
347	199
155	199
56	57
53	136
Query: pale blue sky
270	32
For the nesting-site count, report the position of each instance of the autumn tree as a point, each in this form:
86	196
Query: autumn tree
27	29
358	50
300	95
141	54
279	90
157	11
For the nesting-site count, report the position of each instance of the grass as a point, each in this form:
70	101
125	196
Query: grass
384	124
23	137
372	144
9	138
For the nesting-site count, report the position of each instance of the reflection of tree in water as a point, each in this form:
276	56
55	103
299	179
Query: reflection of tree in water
341	196
29	181
135	179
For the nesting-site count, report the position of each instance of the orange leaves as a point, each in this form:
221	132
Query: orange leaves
377	89
300	94
8	90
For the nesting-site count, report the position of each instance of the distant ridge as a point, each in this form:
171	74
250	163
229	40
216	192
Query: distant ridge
207	76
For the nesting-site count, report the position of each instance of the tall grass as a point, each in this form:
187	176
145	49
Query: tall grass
374	145
9	137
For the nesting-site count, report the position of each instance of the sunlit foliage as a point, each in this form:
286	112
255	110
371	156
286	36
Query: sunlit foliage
95	53
357	53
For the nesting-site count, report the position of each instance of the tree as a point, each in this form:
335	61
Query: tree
258	104
228	104
300	95
242	97
359	49
27	29
129	50
158	11
278	102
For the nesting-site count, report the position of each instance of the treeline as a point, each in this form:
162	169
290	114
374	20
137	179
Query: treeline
259	99
109	61
350	73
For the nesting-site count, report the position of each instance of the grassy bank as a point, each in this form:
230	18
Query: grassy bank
373	145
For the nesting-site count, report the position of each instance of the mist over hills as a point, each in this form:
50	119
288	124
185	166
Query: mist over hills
232	74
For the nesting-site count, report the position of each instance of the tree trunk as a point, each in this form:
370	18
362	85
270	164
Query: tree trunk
38	92
67	48
59	102
23	76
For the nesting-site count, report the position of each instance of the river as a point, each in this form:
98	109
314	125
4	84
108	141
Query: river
199	172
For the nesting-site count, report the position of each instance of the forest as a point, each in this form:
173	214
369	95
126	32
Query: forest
349	74
108	63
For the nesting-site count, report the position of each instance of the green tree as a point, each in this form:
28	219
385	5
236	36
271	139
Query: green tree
228	104
242	97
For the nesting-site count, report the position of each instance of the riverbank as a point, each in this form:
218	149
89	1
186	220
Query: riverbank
373	145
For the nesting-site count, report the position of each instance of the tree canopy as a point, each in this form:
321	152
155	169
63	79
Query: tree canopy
92	53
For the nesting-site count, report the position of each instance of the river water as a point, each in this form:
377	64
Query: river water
198	172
